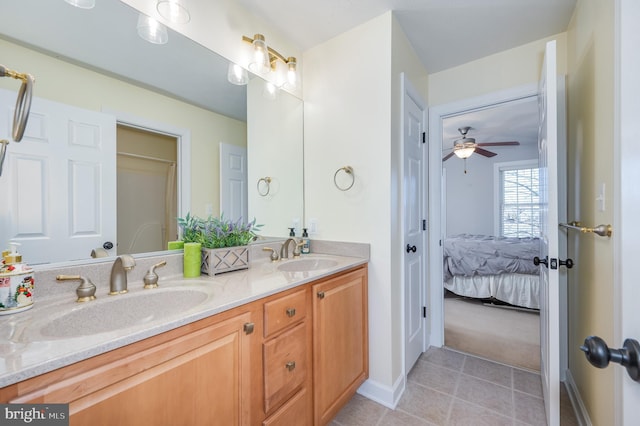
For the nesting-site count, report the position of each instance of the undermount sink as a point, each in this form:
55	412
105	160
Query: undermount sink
109	313
302	265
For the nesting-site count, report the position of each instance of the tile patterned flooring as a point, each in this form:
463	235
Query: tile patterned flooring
446	387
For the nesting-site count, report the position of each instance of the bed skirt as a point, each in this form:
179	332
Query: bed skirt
515	289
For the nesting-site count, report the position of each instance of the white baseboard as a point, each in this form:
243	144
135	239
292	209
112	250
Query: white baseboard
385	395
576	401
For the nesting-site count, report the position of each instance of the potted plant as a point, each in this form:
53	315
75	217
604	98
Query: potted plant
224	241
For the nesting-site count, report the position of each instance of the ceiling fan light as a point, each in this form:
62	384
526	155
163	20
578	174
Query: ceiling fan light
464	152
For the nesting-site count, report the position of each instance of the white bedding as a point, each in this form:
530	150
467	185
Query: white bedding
516	289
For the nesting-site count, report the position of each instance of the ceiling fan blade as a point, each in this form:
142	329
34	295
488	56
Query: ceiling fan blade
446	157
484	152
509	143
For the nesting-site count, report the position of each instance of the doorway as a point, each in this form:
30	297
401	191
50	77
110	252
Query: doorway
492	223
146	190
454	218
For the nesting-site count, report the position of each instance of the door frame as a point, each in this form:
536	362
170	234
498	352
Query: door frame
183	137
408	90
437	209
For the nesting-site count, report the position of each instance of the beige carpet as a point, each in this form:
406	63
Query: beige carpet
504	335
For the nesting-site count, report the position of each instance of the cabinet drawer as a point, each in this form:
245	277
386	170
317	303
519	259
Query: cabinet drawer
295	411
279	313
285	366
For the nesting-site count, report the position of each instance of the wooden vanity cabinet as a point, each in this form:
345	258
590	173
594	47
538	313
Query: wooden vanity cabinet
340	341
199	374
293	358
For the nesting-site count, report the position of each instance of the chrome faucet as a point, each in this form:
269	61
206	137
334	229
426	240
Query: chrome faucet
118	281
284	250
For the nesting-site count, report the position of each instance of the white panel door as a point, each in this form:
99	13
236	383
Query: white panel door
549	251
414	239
233	181
60	182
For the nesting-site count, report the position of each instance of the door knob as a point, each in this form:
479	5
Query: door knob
107	245
537	261
568	263
411	248
599	355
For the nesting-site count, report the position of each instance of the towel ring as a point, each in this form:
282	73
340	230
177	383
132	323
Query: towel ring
266	185
348	170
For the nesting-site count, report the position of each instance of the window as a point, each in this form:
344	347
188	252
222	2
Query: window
519	205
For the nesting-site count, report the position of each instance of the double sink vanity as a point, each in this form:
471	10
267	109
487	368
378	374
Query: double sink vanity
280	343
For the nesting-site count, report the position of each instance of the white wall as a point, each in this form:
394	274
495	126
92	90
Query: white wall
353	118
470	196
347	122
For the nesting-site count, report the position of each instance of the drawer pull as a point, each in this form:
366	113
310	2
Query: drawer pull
321	295
291	312
248	328
291	365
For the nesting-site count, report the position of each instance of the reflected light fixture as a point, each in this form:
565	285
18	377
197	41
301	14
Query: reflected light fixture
82	4
174	11
265	59
237	75
270	91
151	30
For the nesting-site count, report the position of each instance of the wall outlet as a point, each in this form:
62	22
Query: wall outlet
295	224
313	226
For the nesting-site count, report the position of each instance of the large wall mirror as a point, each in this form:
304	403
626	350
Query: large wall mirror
148	110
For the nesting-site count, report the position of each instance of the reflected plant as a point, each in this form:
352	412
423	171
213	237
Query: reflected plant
217	232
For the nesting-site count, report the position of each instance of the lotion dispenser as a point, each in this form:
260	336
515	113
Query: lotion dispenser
306	247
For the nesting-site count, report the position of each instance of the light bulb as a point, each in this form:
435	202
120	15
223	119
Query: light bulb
237	75
173	11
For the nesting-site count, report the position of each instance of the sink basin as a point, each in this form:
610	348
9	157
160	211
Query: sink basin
302	265
109	313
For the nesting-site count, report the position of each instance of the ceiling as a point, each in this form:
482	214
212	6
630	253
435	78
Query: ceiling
444	34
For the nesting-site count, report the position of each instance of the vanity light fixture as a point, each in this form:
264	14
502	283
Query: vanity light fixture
151	30
82	4
174	11
237	75
265	59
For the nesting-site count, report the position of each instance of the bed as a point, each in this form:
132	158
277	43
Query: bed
496	268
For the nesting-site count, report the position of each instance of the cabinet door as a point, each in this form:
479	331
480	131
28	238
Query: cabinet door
207	385
340	342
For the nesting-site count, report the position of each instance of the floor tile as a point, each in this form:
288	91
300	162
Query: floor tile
425	403
465	414
527	382
487	370
398	418
449	388
529	409
444	358
486	394
433	376
360	411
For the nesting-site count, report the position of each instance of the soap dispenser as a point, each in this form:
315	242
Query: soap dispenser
306	247
16	282
292	232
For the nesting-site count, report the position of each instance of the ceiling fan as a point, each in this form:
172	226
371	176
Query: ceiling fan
464	146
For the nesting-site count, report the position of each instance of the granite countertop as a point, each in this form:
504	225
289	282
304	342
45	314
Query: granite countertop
50	335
